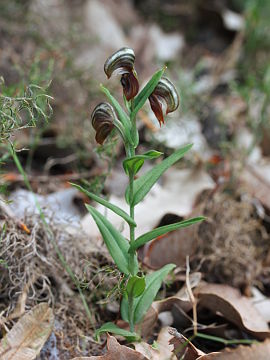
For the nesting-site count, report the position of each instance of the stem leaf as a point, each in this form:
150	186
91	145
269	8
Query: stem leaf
133	164
114	329
143	239
107	204
117	245
144	184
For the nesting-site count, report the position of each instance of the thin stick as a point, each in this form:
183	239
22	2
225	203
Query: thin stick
191	297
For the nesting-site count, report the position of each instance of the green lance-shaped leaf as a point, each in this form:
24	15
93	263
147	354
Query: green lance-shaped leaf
142	304
144	184
143	239
114	329
144	94
117	245
135	286
107	204
134	163
123	117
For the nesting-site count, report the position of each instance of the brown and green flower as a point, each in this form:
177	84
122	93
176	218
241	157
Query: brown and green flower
164	93
122	61
103	121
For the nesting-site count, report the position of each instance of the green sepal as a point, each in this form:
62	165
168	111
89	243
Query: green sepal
144	184
117	245
107	204
134	163
135	286
114	329
143	239
153	282
144	94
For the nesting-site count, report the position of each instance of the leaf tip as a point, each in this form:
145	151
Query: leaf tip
89	208
102	87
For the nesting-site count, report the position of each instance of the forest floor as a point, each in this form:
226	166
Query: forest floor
216	303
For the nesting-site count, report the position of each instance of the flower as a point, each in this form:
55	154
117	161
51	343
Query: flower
123	62
103	121
166	92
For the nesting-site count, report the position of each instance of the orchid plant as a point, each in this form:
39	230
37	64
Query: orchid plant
139	290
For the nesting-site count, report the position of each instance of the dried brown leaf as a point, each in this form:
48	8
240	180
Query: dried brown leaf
116	352
181	299
234	307
27	337
164	349
183	348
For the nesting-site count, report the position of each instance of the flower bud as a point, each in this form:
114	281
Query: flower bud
165	92
123	62
102	121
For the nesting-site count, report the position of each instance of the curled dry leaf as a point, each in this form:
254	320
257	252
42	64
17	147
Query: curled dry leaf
234	307
116	352
28	335
183	348
260	351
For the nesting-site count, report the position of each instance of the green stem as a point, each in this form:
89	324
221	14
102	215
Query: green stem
131	183
130	312
225	341
131	227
